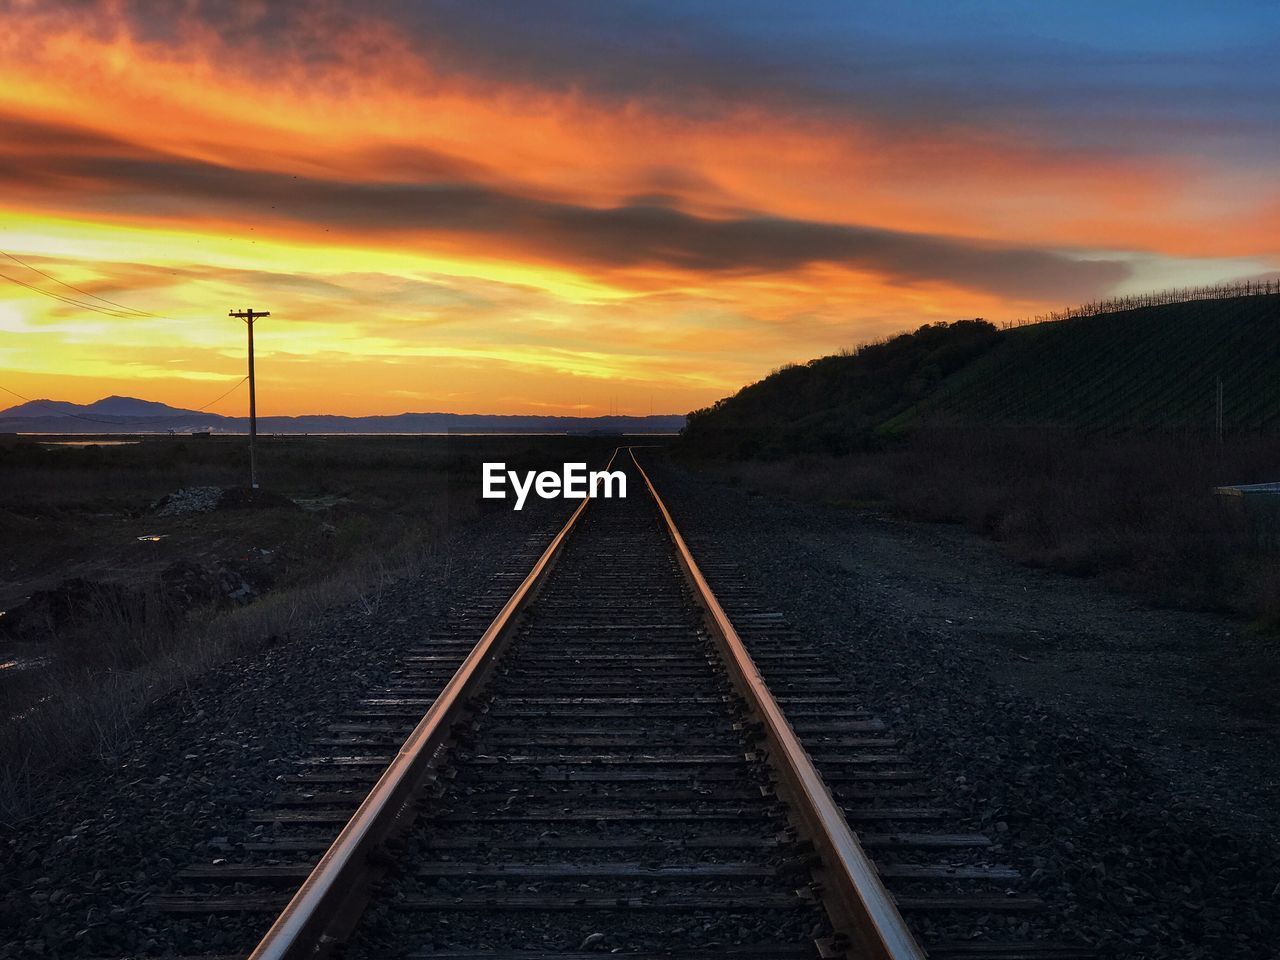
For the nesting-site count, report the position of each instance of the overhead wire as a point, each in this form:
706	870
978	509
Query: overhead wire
71	286
220	396
117	310
110	312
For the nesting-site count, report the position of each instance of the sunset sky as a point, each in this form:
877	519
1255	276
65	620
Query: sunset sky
556	207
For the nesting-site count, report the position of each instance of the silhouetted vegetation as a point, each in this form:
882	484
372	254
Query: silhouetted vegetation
1136	511
1157	298
1153	369
1147	369
1088	445
115	603
837	404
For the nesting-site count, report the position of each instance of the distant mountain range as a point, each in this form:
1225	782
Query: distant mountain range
131	415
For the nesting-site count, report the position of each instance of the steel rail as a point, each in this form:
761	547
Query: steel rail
319	913
855	898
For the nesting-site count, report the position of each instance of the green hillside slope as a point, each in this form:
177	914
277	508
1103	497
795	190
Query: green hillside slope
1148	369
837	403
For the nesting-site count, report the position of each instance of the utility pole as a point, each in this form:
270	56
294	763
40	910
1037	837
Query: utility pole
248	316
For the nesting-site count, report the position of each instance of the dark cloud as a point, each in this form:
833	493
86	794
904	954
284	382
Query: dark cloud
405	162
104	176
20	136
1092	73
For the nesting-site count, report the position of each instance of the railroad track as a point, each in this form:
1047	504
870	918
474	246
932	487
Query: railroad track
606	769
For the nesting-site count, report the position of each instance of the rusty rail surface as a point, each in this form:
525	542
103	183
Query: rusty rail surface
327	903
855	898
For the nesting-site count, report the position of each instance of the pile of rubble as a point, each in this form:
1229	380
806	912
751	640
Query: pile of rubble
191	500
188	500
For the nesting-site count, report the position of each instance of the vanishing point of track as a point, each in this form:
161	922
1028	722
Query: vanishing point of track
606	769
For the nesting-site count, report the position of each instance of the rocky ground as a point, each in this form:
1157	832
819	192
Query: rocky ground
74	880
1116	749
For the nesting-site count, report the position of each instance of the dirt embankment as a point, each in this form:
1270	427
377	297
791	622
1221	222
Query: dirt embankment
132	569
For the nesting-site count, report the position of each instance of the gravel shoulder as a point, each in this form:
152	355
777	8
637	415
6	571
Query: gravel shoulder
1111	746
75	880
1121	752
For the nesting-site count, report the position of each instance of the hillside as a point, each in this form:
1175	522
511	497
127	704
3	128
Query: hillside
107	407
1149	369
1154	368
837	404
130	415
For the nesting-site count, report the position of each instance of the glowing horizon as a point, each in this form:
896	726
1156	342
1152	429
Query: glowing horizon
485	211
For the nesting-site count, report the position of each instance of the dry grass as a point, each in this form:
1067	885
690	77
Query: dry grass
393	503
1137	511
123	657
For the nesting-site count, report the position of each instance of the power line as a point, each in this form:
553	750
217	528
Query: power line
118	314
227	394
113	309
116	310
69	286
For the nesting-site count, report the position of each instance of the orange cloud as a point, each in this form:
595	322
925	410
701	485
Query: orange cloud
482	242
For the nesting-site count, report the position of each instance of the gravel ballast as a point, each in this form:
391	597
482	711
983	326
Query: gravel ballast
77	878
1051	713
1139	813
